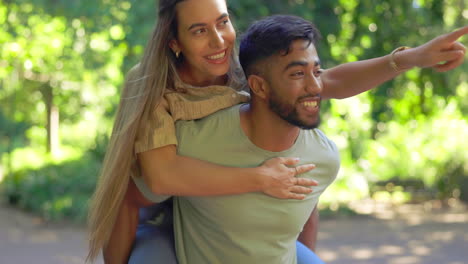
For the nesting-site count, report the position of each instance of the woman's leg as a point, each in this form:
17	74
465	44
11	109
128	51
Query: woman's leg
154	242
306	256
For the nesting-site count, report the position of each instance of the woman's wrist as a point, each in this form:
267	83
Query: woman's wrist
258	180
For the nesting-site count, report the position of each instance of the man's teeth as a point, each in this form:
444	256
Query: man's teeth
310	104
218	56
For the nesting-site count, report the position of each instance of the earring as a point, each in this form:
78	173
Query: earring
177	53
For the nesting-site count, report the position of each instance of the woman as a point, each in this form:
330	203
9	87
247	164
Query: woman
184	74
142	94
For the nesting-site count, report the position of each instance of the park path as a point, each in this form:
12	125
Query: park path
25	238
403	235
408	234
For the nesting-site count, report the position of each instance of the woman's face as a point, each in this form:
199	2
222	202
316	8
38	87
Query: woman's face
205	39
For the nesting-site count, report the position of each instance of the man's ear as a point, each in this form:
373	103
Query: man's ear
258	86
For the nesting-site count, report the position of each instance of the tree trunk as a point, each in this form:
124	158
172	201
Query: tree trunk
52	124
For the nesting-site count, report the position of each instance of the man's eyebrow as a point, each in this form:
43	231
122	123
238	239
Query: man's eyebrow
222	16
317	63
300	63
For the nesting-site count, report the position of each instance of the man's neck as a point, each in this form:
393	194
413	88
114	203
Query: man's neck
267	130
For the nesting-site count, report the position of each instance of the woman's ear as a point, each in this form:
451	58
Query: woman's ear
174	45
258	86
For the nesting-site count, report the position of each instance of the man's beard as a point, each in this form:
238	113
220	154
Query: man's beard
289	113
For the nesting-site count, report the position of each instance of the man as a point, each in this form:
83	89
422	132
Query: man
283	69
281	120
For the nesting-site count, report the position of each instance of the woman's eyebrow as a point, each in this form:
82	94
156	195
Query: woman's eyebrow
222	16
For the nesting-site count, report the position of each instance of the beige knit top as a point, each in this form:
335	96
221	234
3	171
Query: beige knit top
188	103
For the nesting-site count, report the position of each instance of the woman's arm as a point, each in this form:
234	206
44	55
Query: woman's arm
167	173
442	53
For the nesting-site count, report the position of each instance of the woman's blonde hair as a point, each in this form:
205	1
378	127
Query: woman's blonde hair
144	87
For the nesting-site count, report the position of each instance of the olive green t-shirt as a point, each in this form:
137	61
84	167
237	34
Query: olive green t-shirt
187	103
246	228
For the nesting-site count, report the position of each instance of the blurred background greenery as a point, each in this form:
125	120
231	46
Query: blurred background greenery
62	64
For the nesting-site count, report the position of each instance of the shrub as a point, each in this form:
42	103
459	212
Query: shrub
57	191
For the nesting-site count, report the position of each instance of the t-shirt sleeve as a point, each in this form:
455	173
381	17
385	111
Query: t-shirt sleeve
158	130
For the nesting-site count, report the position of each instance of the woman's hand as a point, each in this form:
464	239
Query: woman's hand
280	178
442	53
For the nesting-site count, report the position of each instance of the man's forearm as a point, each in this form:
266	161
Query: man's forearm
119	246
308	236
353	78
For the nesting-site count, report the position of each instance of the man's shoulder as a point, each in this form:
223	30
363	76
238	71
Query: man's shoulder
320	137
223	118
322	151
227	114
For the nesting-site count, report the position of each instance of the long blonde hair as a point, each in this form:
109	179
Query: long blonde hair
144	87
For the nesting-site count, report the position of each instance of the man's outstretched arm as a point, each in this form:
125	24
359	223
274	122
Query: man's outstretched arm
442	53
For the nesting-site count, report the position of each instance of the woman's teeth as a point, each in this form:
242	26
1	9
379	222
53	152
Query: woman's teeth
217	56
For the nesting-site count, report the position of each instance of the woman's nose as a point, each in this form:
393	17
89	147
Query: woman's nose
216	40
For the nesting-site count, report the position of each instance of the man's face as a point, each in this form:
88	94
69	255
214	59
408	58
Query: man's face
295	85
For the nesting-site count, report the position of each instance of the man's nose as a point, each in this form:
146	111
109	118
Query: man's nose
313	84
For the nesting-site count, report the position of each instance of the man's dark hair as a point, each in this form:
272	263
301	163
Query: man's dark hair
271	35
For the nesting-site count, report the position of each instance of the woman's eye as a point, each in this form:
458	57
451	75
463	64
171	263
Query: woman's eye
199	31
223	23
318	72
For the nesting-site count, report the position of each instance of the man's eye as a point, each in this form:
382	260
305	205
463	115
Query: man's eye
298	73
318	72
